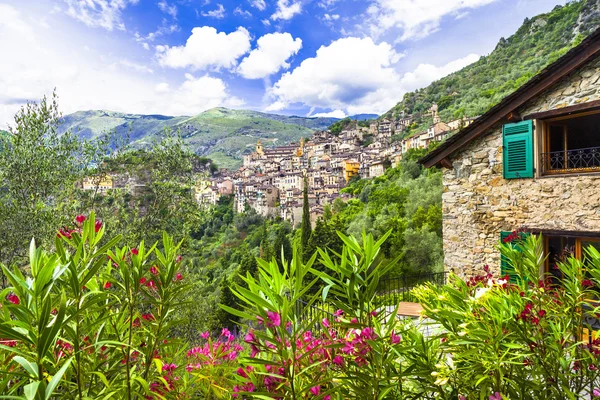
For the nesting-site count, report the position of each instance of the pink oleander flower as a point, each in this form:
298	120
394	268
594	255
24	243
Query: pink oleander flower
315	390
338	313
169	367
97	226
326	323
142	280
135	251
179	277
596	392
338	360
79	219
496	396
250	338
107	285
154	270
205	335
178	259
395	338
275	319
241	372
587	283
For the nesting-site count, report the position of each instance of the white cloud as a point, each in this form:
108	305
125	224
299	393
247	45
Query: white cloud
333	114
424	74
244	13
195	95
416	18
207	49
333	17
354	75
272	52
136	66
285	10
266	22
260	4
99	13
350	73
164	29
162	87
168	9
218	13
327	3
41	60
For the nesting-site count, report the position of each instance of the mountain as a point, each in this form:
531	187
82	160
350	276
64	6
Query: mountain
218	133
477	87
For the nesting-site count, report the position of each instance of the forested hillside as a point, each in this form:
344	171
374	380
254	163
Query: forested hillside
477	87
220	133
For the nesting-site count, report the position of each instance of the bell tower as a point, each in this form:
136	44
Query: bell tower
259	148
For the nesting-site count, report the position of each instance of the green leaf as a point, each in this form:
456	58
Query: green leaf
29	367
30	390
56	379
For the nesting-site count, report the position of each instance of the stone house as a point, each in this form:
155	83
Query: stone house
377	168
531	162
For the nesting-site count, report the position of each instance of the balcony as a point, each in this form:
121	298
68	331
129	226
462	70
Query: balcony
571	161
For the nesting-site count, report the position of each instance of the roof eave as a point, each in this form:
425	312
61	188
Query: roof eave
571	61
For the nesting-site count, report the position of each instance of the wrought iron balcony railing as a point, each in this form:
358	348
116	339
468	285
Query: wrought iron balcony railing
577	160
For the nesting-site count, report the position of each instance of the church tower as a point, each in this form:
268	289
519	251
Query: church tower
300	150
259	148
434	114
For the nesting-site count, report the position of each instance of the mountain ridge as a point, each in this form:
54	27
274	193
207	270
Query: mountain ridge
220	133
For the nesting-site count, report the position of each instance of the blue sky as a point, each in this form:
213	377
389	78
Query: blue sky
302	57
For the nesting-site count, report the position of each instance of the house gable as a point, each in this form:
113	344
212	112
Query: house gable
506	110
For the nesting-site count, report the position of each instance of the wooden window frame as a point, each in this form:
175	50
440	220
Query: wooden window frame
578	247
545	147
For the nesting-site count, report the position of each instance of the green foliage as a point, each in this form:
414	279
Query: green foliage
337	127
84	324
38	171
407	202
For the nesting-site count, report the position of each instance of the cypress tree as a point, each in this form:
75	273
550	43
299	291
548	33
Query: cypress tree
306	227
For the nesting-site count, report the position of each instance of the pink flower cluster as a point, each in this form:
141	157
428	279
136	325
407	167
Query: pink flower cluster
212	353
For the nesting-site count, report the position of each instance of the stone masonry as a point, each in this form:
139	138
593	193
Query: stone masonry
478	203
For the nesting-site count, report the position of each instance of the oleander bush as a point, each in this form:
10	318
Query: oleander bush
92	320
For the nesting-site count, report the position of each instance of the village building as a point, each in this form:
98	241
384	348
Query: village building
531	163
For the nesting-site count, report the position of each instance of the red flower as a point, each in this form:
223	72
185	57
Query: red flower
135	251
148	317
541	313
13	298
107	285
80	219
142	281
98	226
587	283
178	259
154	270
178	277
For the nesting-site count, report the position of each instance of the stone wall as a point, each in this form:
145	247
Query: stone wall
478	203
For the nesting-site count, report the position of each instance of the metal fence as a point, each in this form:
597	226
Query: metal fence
394	290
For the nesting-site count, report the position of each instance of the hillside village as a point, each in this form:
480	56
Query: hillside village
271	180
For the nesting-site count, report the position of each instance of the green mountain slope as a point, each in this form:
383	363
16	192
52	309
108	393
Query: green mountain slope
219	133
477	87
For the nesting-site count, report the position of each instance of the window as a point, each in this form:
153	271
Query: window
571	144
558	248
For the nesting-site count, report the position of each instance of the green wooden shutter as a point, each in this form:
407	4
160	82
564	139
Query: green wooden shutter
518	150
505	267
